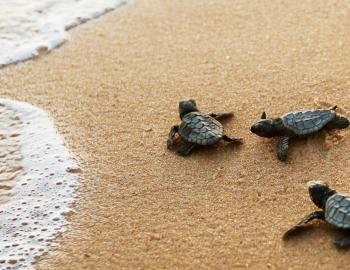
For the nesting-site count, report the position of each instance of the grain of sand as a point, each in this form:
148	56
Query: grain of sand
113	91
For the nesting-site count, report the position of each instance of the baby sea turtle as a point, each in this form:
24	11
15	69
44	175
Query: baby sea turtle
335	210
297	124
198	128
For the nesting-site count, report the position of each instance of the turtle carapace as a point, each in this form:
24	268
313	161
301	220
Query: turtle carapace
297	124
198	129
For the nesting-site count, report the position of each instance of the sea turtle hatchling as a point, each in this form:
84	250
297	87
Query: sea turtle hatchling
297	124
198	128
335	210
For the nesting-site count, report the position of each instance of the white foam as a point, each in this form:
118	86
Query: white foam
26	27
34	214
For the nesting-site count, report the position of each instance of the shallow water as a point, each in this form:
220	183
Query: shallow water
28	27
10	157
37	182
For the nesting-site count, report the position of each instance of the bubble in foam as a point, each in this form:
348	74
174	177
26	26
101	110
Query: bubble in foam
42	189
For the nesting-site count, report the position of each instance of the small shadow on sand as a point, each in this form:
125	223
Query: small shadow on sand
212	150
233	145
222	148
298	234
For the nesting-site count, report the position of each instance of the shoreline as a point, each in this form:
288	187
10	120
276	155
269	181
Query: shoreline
113	91
38	174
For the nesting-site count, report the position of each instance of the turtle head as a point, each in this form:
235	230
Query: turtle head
187	106
264	127
319	193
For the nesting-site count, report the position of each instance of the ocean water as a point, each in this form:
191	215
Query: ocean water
28	27
37	183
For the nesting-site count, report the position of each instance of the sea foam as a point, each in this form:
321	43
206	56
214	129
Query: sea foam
37	180
28	27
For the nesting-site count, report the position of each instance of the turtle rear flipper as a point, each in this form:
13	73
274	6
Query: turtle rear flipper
343	243
186	149
221	115
282	148
338	122
232	140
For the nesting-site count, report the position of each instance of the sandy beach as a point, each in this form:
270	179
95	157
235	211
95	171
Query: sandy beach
113	90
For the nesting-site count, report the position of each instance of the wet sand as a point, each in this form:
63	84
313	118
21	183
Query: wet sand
113	91
10	157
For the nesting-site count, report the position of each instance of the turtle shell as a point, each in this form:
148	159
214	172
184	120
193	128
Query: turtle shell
307	122
200	129
337	210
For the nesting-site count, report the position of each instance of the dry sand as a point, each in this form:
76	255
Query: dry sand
113	90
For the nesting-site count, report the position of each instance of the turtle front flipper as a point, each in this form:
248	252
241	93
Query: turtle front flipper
305	220
172	133
186	149
343	243
282	148
232	140
311	216
221	115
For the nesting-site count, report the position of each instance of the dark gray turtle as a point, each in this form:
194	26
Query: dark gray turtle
335	210
197	128
297	124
